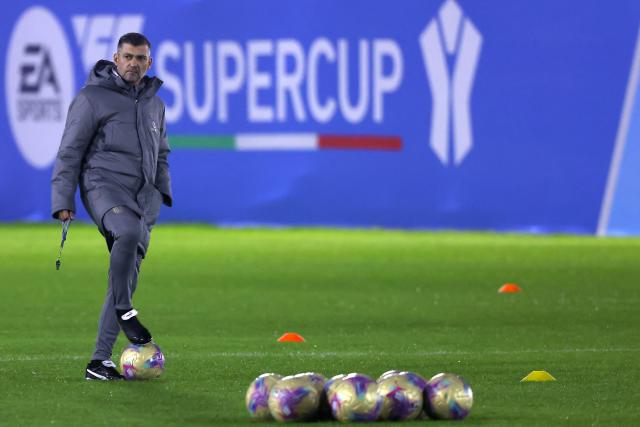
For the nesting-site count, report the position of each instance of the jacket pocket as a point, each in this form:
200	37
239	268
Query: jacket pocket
150	200
91	179
122	137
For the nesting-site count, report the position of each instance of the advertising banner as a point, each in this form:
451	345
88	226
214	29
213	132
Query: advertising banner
434	114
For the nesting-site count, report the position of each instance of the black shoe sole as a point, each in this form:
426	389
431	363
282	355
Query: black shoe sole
92	376
138	340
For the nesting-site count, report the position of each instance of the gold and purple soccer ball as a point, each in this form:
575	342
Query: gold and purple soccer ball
401	398
142	362
355	398
318	381
447	397
294	398
257	397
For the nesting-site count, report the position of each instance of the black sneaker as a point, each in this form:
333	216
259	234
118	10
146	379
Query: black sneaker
132	328
103	370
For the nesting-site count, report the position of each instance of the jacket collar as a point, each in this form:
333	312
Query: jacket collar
105	74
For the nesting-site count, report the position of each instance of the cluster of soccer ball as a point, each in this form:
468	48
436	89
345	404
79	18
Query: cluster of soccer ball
395	396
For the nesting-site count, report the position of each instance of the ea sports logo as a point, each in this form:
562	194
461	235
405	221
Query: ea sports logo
38	85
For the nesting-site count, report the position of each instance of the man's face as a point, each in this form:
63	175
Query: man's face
132	62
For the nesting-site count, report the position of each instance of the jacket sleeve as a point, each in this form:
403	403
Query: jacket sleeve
163	179
78	133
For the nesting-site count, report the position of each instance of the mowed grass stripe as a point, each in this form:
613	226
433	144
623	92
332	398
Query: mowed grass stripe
315	354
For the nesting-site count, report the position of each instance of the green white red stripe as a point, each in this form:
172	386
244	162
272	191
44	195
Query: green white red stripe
286	142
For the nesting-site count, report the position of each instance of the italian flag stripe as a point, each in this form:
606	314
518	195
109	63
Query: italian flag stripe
286	142
355	142
275	141
201	141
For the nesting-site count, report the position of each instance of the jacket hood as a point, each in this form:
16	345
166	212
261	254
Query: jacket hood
104	74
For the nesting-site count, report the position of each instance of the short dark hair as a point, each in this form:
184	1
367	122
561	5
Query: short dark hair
134	39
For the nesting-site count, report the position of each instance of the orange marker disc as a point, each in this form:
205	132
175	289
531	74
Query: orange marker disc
509	288
291	337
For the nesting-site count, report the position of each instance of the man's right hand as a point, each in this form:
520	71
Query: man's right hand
64	215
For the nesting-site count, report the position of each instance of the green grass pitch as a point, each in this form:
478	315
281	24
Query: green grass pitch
366	301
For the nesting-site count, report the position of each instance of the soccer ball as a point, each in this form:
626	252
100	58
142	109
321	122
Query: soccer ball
294	398
355	398
447	397
401	398
257	397
142	362
319	381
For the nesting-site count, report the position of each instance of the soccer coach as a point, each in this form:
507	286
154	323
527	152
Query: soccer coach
115	148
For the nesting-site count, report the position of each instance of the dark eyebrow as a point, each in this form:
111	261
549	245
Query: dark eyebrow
131	55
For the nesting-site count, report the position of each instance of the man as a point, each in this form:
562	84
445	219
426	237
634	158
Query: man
115	148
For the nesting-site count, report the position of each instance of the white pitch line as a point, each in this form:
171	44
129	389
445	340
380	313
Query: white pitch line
621	139
326	354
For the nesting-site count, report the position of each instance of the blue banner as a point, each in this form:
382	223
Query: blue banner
497	115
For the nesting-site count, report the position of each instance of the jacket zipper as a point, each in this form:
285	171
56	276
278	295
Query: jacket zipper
144	178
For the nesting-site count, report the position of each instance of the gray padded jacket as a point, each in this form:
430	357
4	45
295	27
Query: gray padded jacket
114	147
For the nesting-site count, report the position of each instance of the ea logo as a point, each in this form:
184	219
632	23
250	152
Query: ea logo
38	85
